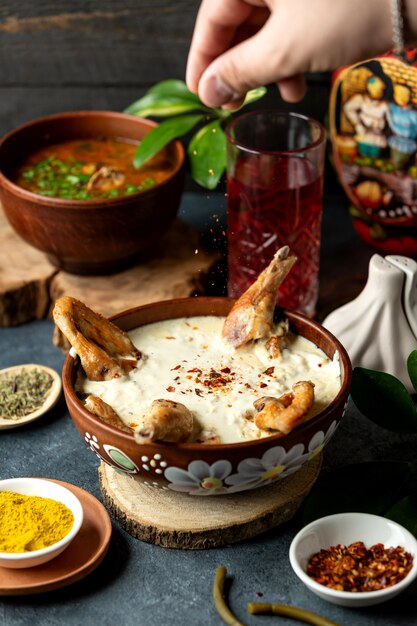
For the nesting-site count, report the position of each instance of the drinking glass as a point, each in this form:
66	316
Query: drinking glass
275	164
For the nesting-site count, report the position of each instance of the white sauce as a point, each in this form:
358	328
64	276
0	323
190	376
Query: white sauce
179	358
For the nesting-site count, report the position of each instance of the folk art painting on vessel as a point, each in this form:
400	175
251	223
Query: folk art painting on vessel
373	131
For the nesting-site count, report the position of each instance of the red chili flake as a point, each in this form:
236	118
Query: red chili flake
263	385
195	370
358	568
247	385
225	370
177	378
198	392
320	364
177	367
170	389
269	371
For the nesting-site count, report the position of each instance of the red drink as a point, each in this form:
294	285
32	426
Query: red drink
263	217
275	199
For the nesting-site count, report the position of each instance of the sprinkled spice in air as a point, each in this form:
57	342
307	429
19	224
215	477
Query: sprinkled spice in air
358	568
23	392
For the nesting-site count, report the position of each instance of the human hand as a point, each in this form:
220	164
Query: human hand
241	44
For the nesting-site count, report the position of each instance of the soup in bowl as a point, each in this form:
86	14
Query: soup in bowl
228	448
69	187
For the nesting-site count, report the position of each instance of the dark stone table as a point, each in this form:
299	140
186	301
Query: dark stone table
139	584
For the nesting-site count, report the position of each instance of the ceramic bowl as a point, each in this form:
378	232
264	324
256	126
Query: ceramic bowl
197	463
88	236
44	489
346	528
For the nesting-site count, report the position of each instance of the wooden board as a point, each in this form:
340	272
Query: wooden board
25	274
30	284
176	520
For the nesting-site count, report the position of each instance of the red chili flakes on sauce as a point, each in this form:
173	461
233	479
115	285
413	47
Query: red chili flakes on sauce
177	367
263	385
358	568
269	371
198	392
170	389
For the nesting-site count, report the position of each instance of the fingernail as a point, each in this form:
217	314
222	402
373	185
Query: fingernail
215	92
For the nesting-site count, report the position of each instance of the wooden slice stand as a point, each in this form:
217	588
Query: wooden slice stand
176	520
30	284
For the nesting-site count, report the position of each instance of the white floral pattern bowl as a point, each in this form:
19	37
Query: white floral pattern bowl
207	469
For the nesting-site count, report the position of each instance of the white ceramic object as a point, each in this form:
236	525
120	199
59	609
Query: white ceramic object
379	327
45	489
347	528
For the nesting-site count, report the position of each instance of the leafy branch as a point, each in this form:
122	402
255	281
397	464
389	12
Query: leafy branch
378	487
185	112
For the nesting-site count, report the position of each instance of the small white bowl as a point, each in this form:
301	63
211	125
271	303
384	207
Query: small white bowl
45	489
347	528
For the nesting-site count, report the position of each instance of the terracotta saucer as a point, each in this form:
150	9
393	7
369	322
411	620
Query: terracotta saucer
51	397
82	556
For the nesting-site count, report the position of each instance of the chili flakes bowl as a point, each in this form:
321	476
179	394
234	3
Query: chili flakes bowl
345	529
45	489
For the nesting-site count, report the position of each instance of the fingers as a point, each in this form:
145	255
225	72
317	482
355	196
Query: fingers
216	26
292	89
245	66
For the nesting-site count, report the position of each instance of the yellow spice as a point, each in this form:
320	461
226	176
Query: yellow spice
30	523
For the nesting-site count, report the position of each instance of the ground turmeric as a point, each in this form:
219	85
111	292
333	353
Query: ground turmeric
30	523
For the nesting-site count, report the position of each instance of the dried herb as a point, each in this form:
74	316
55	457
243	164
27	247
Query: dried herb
23	392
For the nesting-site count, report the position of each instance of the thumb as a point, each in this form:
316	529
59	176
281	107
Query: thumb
252	63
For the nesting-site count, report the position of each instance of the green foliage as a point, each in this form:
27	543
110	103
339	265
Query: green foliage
378	487
207	147
207	154
371	487
384	400
412	368
161	135
404	512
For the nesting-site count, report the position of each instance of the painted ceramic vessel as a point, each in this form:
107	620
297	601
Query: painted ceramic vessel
203	469
373	131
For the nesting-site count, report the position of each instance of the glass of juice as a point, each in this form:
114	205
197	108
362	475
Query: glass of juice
275	164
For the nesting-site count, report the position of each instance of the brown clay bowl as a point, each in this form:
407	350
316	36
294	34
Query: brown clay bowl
164	465
88	236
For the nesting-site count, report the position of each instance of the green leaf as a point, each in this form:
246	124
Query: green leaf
254	94
174	87
364	488
161	135
404	512
384	400
207	154
162	106
412	368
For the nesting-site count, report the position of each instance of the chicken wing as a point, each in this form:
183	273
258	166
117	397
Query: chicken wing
252	315
105	350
